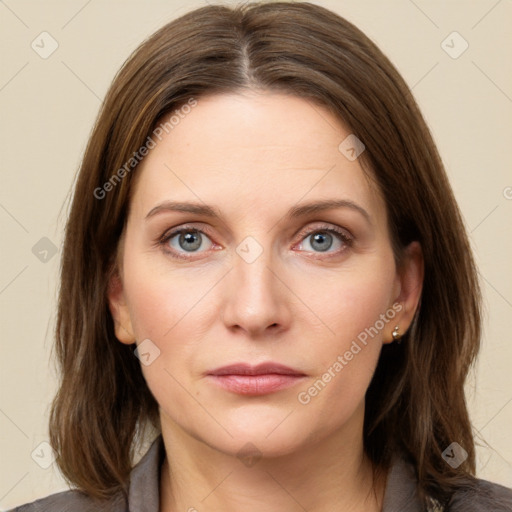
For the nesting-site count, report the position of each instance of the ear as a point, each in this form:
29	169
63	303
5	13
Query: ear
119	310
408	292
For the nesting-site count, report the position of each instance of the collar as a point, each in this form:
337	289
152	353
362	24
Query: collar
144	495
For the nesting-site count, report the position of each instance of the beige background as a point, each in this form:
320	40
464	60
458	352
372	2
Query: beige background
48	107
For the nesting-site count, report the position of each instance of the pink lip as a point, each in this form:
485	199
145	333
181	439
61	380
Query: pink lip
264	378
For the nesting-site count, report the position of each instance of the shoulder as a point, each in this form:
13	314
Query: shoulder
143	492
73	501
475	496
482	496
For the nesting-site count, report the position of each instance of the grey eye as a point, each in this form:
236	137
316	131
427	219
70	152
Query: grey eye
321	241
188	240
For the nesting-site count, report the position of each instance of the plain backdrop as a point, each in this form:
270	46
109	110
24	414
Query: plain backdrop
48	106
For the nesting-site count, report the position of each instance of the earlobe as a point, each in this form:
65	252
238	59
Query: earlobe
119	310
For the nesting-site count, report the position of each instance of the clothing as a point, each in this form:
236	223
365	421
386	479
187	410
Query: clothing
400	494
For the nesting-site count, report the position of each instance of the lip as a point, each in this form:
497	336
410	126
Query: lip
260	369
245	379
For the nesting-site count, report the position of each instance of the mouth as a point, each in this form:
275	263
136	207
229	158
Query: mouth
244	379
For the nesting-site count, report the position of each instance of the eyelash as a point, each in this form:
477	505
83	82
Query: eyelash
338	232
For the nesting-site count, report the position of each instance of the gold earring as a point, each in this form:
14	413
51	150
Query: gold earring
396	334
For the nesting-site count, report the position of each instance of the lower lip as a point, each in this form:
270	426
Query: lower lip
256	384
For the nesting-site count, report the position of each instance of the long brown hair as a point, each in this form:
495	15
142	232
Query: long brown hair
415	404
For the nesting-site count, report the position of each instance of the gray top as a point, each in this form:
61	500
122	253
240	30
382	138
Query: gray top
400	494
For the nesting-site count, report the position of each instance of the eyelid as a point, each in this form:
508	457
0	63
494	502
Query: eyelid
169	233
323	226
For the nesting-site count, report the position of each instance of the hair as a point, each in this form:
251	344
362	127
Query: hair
415	404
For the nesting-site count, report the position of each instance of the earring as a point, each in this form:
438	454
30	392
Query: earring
396	334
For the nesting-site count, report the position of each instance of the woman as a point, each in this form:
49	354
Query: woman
277	373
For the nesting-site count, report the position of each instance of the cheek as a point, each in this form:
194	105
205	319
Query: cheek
351	302
160	298
161	309
171	308
356	311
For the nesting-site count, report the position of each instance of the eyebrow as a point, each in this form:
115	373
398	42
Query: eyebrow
294	212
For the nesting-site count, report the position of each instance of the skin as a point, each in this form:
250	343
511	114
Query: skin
253	156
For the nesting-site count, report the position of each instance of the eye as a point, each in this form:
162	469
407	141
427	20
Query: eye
185	240
322	239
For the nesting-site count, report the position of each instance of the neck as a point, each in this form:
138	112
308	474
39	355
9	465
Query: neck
328	474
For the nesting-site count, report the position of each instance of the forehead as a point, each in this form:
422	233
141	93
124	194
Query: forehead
253	150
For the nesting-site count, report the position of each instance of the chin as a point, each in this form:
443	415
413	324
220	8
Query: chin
268	431
256	444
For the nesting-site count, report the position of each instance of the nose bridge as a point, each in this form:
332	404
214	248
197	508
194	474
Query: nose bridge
256	298
252	263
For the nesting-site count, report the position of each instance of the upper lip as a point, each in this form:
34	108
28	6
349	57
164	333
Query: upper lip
260	369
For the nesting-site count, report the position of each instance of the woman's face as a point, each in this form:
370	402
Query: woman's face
257	278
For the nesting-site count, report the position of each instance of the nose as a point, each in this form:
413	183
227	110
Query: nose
257	298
